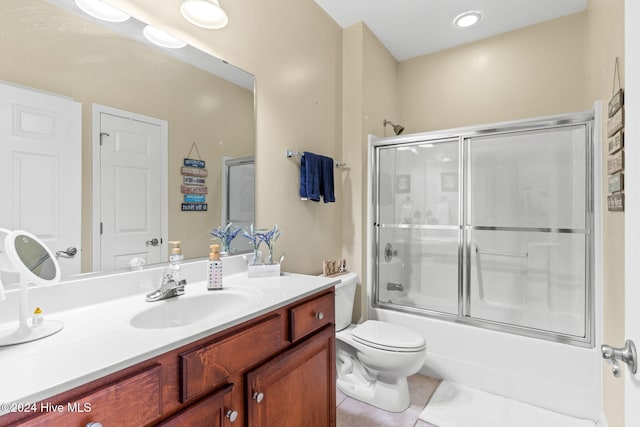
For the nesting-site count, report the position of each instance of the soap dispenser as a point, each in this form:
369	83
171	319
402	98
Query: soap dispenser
175	257
175	254
214	269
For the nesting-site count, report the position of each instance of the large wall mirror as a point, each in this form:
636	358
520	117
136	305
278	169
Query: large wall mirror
202	107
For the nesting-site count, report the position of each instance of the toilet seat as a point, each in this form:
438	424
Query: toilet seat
387	336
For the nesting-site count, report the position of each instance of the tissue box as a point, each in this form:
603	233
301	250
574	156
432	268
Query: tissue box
264	270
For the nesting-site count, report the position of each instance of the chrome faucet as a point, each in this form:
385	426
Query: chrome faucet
169	287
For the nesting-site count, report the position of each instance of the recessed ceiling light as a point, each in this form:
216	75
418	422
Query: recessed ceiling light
467	19
204	13
100	10
161	38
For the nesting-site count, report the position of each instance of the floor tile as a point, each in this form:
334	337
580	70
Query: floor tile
353	413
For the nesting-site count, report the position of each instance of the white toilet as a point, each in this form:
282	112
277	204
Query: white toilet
374	358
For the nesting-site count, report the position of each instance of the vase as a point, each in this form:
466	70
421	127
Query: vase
255	258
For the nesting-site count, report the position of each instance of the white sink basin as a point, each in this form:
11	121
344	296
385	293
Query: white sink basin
186	310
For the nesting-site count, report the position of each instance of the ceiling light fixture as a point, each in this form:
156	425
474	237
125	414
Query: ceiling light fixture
100	10
161	38
204	13
467	19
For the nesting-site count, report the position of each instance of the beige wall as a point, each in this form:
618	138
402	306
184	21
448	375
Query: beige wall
55	51
370	96
605	41
536	71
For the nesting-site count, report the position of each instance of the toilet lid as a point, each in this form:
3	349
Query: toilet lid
387	336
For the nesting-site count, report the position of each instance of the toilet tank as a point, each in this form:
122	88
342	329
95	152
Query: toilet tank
345	295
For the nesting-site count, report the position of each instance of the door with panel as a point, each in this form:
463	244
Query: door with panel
41	169
131	199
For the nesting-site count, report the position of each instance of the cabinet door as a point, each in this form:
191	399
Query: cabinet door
297	388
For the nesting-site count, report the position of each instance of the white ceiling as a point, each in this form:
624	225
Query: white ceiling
410	28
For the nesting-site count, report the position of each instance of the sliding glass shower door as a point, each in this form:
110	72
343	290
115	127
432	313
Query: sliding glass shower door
419	216
526	229
490	227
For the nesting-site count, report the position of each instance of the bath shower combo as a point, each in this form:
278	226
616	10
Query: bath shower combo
487	236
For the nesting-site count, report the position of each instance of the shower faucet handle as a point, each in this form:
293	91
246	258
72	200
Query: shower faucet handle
626	354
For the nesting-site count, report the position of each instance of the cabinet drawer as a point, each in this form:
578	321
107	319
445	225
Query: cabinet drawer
311	316
132	401
207	367
210	411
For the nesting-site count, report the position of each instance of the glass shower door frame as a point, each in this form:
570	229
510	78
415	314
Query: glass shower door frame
464	136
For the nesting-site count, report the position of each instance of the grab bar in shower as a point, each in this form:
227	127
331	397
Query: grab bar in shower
502	253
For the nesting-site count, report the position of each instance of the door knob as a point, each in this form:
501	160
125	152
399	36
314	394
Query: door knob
70	252
626	354
152	242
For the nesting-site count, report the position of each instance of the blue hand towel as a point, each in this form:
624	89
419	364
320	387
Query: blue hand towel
303	179
316	178
310	176
326	183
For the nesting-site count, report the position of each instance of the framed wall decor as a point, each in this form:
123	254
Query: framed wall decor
615	132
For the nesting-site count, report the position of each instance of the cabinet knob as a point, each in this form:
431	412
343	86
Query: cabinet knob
93	424
232	415
258	397
319	315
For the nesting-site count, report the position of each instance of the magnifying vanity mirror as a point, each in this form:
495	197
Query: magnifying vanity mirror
96	124
23	253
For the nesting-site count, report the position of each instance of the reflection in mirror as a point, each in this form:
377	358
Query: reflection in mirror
67	57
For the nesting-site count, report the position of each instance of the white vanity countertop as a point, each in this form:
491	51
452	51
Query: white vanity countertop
98	339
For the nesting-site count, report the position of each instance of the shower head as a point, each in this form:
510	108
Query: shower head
397	129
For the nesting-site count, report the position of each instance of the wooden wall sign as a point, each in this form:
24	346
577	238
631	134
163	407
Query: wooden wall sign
194	207
615	202
615	162
617	142
615	132
195	163
188	189
616	182
194	179
195	198
615	123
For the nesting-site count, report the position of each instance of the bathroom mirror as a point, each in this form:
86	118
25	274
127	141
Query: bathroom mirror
51	47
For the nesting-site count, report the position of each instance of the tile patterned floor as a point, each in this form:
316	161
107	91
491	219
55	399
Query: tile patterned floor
353	413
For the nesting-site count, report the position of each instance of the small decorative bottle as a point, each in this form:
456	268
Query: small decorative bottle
214	269
172	272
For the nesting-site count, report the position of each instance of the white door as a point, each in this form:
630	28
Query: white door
632	202
41	169
132	208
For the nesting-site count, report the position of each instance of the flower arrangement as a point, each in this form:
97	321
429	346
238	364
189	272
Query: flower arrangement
269	237
258	235
252	235
226	235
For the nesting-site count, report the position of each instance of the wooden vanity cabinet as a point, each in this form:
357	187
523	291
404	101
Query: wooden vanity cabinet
288	355
297	388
